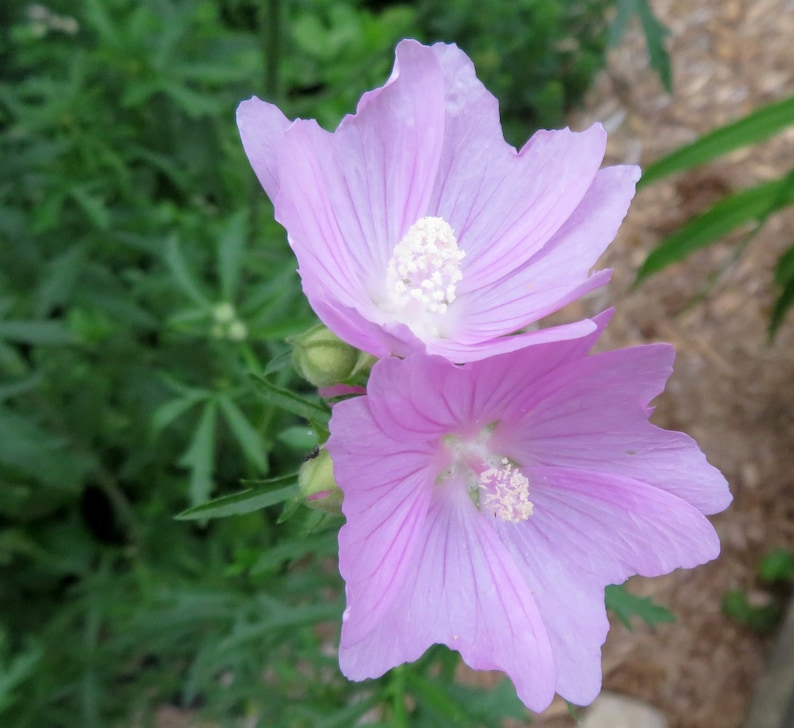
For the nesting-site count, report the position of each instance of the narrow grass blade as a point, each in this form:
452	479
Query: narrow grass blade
747	206
748	130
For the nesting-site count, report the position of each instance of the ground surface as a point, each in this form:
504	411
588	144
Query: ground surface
731	390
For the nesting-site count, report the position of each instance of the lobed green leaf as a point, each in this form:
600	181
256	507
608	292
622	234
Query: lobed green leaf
182	275
246	501
625	606
248	438
310	409
200	455
231	250
42	333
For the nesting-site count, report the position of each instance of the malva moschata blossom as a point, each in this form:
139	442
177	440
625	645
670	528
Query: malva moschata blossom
489	504
417	228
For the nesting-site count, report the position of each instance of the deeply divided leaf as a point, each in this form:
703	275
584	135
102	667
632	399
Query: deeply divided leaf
625	606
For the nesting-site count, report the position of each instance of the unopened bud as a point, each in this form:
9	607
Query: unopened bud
322	358
317	484
224	313
237	331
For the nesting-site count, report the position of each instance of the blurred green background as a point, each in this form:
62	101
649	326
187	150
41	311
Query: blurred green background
142	281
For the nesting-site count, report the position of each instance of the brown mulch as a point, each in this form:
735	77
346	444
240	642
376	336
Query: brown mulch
731	389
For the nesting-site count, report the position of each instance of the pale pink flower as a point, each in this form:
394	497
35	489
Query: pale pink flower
417	228
489	504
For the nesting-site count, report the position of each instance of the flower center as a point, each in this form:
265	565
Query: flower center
504	492
496	485
425	267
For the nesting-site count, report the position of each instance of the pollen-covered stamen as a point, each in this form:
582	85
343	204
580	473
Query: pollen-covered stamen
504	492
425	266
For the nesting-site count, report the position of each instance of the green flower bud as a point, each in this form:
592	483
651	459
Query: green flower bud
322	358
224	313
237	331
317	484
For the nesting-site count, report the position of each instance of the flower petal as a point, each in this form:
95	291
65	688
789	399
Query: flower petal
501	383
557	274
420	398
350	196
462	590
262	127
588	530
461	353
594	415
350	325
504	205
615	527
572	605
386	489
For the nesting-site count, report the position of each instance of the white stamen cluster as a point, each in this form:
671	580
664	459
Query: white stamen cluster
425	266
504	491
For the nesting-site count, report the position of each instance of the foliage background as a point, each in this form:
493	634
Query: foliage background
142	282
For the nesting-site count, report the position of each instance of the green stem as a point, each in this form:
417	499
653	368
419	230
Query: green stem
397	690
121	505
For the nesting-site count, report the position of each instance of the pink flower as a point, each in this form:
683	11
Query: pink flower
417	228
489	504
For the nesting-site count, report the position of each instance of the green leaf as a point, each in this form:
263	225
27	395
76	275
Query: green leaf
249	440
99	20
165	414
777	567
291	507
16	672
623	14
163	163
93	207
184	389
286	551
760	617
182	275
655	34
489	707
625	606
200	456
59	279
245	501
42	333
287	400
654	31
279	362
348	716
298	437
194	103
231	248
750	129
20	386
140	91
784	279
751	205
29	449
784	270
286	616
434	694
